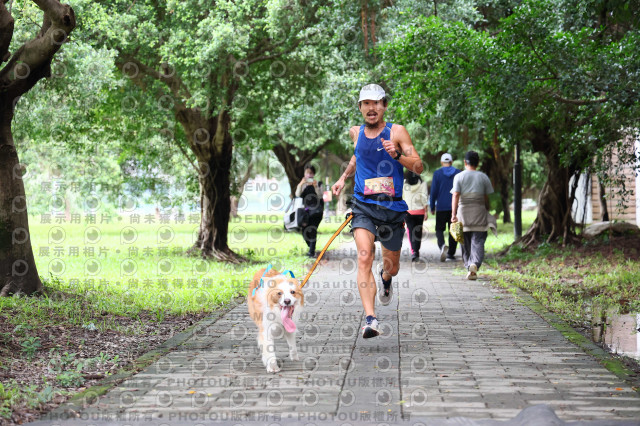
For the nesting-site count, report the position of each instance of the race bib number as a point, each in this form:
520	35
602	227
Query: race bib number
379	185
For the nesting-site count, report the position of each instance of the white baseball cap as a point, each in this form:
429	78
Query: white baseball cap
446	158
371	92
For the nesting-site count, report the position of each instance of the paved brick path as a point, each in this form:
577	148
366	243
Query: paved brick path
450	348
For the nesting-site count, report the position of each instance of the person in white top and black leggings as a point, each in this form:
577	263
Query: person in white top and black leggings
311	192
416	197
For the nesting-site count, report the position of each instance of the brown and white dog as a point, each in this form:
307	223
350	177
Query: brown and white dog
276	301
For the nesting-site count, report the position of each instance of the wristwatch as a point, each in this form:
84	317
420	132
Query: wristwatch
397	156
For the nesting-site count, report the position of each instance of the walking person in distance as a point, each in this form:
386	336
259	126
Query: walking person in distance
470	205
440	204
311	192
415	194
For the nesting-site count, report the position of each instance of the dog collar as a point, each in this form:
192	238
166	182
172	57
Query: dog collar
268	268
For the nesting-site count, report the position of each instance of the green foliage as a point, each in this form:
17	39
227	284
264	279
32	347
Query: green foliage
59	363
69	379
30	345
68	368
546	67
82	145
93	131
8	396
14	395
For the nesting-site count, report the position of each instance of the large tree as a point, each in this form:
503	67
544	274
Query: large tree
562	76
29	63
194	61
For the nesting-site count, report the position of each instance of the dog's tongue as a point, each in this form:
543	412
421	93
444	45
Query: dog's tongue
288	323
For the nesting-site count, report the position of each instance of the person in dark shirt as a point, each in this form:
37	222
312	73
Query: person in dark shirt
440	205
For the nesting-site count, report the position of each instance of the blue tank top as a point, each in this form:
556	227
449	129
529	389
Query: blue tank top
373	161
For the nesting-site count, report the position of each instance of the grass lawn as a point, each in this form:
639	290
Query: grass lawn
505	233
144	266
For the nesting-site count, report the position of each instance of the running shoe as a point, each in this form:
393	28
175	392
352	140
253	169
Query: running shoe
370	329
473	272
443	252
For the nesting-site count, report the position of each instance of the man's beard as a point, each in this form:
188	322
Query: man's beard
373	126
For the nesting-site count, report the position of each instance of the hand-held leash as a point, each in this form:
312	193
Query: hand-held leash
326	246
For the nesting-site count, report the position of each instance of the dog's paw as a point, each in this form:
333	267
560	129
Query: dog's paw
272	365
294	355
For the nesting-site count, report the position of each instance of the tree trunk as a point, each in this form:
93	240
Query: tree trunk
212	144
17	266
554	218
554	212
215	212
29	63
498	166
603	203
239	189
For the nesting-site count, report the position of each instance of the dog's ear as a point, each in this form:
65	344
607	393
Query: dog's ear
299	294
273	296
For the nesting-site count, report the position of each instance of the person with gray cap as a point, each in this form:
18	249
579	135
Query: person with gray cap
440	205
381	151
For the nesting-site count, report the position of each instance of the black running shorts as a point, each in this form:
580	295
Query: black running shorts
387	225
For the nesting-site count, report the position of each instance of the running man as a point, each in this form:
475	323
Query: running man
381	150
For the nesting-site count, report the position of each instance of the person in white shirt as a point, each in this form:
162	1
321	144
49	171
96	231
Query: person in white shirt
416	197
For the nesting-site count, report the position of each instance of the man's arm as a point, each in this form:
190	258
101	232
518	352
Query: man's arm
434	192
455	199
351	167
402	142
350	170
488	190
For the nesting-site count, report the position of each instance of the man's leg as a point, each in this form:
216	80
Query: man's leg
313	234
466	249
442	219
416	233
477	247
366	282
441	223
411	224
409	238
305	234
390	263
